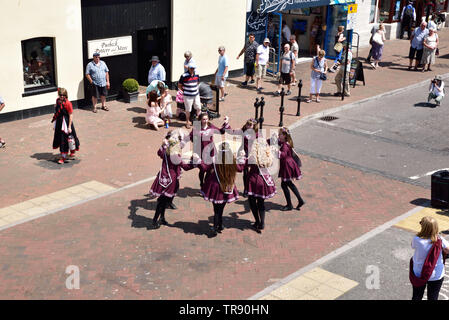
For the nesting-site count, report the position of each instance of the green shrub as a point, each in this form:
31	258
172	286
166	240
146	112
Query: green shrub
130	85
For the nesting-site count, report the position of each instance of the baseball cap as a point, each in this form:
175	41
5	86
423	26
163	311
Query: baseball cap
266	40
191	65
96	54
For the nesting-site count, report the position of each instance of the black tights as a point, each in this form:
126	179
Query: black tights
162	203
257	206
218	215
201	177
289	184
433	290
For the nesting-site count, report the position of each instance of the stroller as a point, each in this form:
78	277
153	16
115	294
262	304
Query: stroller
206	99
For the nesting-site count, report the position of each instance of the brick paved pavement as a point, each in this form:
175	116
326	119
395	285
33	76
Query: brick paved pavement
119	258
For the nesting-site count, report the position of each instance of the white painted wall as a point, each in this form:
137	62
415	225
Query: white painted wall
25	19
201	26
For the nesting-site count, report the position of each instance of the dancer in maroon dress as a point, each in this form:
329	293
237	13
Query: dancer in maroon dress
65	137
250	133
219	183
203	140
289	169
260	183
166	183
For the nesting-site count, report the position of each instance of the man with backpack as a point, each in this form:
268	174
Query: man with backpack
408	16
288	62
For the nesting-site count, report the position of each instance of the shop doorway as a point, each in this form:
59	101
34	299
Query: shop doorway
152	42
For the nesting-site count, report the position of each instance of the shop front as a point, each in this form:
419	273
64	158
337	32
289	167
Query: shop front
312	22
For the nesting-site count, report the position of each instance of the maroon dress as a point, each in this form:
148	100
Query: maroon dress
205	137
260	182
288	170
167	179
211	190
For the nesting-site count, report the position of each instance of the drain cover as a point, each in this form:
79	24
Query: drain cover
328	118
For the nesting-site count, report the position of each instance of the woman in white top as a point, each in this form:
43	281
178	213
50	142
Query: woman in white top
378	46
430	45
319	67
422	243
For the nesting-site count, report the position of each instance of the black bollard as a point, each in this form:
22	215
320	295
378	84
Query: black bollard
261	104
256	106
298	99
281	109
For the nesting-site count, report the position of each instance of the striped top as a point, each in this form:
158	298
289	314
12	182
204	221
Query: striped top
190	84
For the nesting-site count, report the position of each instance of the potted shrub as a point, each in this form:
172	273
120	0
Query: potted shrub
130	90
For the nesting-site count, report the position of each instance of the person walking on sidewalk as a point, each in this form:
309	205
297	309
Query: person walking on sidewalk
378	46
287	70
219	183
427	264
166	184
250	51
338	47
2	105
260	183
289	169
97	73
319	68
416	44
188	84
221	74
339	81
408	16
262	57
295	50
65	137
188	56
430	45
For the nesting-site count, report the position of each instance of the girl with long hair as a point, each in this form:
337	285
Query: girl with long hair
219	183
65	137
166	183
203	138
250	133
289	169
260	183
427	264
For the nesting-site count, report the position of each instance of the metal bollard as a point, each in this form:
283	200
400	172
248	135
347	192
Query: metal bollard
298	99
256	106
261	119
281	109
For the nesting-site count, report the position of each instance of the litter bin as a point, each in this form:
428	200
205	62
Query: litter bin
440	189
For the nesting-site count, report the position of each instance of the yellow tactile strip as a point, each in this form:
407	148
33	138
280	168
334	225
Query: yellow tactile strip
38	206
412	222
317	284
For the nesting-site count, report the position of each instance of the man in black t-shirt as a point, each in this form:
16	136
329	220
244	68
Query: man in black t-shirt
250	50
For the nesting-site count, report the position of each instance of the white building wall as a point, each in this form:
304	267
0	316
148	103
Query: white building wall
25	19
201	26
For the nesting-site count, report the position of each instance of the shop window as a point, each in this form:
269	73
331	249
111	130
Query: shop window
38	64
372	13
390	10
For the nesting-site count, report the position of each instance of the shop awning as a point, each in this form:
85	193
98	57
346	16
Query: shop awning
268	6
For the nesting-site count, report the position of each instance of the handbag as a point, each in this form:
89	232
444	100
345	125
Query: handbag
377	38
437	52
338	46
323	76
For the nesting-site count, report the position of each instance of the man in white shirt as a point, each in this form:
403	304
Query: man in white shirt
436	90
262	56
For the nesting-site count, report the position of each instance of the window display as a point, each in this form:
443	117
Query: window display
38	63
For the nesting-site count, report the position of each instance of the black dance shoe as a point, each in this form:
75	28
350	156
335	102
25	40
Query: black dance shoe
298	207
156	225
286	208
172	206
163	221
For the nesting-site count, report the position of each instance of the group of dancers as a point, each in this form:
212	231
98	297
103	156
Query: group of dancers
217	177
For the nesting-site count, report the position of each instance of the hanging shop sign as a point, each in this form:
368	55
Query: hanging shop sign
110	47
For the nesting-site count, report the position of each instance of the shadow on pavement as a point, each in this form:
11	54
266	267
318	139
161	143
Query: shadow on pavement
139	221
425	105
49	160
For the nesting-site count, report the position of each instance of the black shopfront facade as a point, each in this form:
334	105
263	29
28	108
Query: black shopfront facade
147	22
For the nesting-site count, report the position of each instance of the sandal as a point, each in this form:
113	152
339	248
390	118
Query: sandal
308	101
105	108
94	110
